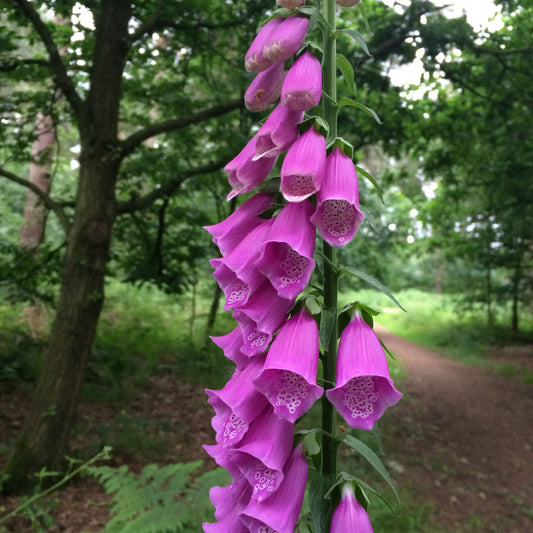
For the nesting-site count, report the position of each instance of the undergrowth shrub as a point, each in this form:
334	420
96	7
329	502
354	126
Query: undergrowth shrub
161	499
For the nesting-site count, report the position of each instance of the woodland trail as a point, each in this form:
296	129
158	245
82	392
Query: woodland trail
463	439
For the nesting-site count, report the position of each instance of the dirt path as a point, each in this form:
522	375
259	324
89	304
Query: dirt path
463	437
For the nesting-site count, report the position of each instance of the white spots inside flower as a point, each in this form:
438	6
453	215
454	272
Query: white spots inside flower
292	389
299	185
256	338
265	478
360	397
233	427
338	216
238	292
259	94
293	267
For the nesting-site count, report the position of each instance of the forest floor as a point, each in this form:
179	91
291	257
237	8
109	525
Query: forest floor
460	441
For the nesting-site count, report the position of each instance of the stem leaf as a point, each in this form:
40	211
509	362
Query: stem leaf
344	101
369	177
372	281
358	38
367	453
347	71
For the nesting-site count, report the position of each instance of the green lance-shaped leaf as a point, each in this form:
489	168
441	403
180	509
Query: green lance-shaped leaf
369	177
372	281
357	37
347	71
344	102
365	452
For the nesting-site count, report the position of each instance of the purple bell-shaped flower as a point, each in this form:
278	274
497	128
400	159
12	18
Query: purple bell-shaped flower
277	133
255	61
263	452
237	404
265	89
266	308
231	345
236	273
231	523
304	166
287	250
288	378
280	512
364	388
350	517
337	215
245	173
302	87
231	231
285	40
232	499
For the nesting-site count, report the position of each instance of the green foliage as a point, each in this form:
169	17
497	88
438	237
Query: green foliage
161	499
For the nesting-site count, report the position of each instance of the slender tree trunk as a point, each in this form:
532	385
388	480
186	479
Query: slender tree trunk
32	232
488	287
45	432
438	271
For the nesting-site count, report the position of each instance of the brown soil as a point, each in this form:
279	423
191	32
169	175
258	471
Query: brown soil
460	439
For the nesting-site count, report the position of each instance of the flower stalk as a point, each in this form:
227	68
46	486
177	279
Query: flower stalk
267	259
330	268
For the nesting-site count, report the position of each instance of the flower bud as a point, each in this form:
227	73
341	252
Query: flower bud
265	89
286	39
290	4
302	87
255	61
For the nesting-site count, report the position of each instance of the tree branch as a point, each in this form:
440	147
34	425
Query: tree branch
169	187
135	139
47	201
60	74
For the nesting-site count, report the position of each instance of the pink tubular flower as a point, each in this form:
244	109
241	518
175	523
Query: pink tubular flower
245	173
255	61
304	166
337	215
236	273
280	511
302	87
265	89
364	387
290	4
350	517
267	310
232	499
230	232
285	40
231	344
288	378
237	405
230	523
287	251
263	453
254	341
277	133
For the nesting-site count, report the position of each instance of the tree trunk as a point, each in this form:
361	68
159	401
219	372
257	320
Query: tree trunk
45	432
32	232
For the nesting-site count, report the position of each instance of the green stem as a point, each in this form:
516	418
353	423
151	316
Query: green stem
104	454
329	415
